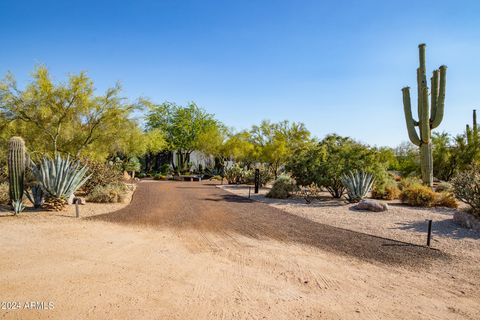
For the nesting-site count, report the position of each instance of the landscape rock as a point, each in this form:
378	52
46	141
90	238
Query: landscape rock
371	205
467	220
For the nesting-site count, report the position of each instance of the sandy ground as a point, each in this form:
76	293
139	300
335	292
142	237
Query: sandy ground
183	251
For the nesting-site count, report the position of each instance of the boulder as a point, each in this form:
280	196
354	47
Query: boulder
371	205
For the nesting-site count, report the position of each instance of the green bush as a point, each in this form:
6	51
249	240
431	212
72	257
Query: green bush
4	195
445	199
418	195
357	184
216	178
159	176
409	181
466	187
325	162
111	193
234	174
102	174
282	187
386	189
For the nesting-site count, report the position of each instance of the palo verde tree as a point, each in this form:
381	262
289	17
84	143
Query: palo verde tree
186	129
66	117
429	117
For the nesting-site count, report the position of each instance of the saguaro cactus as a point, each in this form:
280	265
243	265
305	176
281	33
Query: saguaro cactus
429	117
16	172
472	133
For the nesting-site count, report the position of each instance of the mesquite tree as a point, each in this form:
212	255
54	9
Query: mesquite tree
429	117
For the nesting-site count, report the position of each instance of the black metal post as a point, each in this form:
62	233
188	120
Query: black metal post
257	179
249	189
77	209
429	232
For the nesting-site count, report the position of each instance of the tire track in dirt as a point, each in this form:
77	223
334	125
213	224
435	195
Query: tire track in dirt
207	210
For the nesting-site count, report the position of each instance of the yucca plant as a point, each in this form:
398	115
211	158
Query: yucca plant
59	179
358	184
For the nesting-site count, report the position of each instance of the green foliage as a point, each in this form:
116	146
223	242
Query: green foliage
60	177
234	174
408	162
466	186
409	181
132	165
110	193
35	195
386	189
358	184
444	187
16	172
444	160
325	162
101	174
445	199
69	118
186	129
282	188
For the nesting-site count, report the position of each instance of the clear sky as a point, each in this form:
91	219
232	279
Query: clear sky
337	66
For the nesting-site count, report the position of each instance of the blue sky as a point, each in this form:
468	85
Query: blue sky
337	66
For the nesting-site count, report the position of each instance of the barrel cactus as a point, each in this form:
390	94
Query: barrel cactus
429	116
16	172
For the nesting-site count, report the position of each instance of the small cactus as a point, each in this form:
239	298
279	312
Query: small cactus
358	184
16	172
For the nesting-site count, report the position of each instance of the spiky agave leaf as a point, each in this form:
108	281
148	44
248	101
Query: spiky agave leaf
17	206
60	177
358	184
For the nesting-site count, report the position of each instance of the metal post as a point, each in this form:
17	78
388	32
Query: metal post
429	232
249	189
77	209
257	179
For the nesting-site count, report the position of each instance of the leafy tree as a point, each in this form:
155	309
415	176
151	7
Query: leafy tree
325	162
408	159
444	159
67	117
186	129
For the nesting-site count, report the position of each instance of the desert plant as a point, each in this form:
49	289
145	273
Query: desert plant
358	184
234	174
111	193
35	195
426	122
407	182
444	187
159	176
101	174
418	195
59	179
4	196
445	199
387	190
466	187
216	178
16	172
282	188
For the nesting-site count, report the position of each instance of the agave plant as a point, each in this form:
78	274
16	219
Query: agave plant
35	195
358	184
59	179
17	206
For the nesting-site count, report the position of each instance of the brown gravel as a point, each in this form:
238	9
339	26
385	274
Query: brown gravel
202	206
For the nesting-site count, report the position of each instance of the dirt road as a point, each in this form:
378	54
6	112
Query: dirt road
193	251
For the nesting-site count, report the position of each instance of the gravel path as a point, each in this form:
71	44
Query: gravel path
203	207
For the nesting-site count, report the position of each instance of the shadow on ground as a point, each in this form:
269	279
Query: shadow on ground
446	228
207	208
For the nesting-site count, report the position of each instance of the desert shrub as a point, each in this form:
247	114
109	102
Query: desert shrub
282	187
234	174
418	195
387	189
466	187
216	178
111	193
444	187
102	174
358	184
265	176
409	181
4	195
3	173
325	162
445	199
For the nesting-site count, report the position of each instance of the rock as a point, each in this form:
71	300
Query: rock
371	205
467	220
